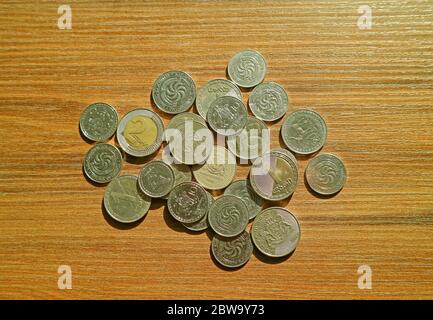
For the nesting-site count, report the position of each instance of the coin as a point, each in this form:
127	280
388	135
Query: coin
188	202
243	190
124	200
268	101
214	89
228	216
182	173
247	68
174	92
288	154
232	252
275	232
218	171
304	131
326	174
98	122
202	224
140	132
274	176
102	163
248	144
183	117
227	116
156	179
190	141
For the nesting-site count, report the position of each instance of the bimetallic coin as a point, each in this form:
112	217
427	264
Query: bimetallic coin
247	68
182	173
102	163
288	154
249	143
156	179
243	190
275	232
326	174
188	202
227	116
140	132
174	92
269	101
228	216
211	91
304	131
274	176
232	252
124	200
98	122
202	224
218	171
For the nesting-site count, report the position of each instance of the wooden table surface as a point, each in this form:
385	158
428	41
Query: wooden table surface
373	87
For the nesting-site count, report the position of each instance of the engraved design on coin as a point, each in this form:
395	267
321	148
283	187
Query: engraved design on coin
275	232
326	174
269	101
174	92
243	190
232	252
247	68
227	115
304	131
228	216
102	163
188	202
124	201
203	223
98	122
156	179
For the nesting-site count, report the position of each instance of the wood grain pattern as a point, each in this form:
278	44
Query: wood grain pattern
373	87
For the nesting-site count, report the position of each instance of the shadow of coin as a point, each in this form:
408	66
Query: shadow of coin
116	224
87	140
210	233
93	183
140	160
282	203
171	222
215	261
316	194
157	203
270	260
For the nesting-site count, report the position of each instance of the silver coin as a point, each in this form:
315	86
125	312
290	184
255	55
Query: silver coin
304	131
140	132
269	101
326	174
98	122
174	92
182	173
188	202
228	216
275	232
232	252
156	179
202	224
181	118
227	116
211	91
243	190
102	163
247	68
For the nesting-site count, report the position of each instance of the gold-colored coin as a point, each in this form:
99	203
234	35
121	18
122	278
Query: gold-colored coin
140	132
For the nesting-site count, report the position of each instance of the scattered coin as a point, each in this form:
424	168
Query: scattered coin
269	101
140	132
228	216
174	92
326	174
247	68
102	163
243	190
98	122
275	232
156	179
124	200
182	173
248	144
232	252
218	171
188	202
274	176
304	131
212	90
227	116
202	224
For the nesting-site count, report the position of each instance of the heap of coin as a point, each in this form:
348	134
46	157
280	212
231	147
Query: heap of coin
273	176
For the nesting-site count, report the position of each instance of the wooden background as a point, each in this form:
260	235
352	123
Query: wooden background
373	87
